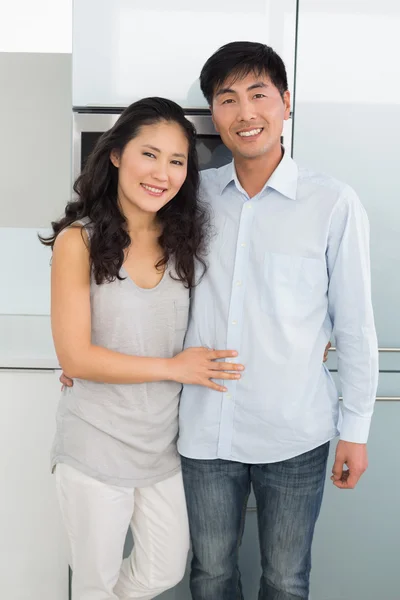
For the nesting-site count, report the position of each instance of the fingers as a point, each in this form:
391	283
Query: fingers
214	386
337	470
348	481
224	366
343	483
223	375
214	354
352	479
326	352
344	479
66	381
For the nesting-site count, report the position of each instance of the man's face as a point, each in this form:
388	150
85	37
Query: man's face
248	114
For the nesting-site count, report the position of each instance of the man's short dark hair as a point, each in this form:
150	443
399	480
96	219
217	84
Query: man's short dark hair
239	59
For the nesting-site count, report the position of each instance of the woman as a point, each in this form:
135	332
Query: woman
123	264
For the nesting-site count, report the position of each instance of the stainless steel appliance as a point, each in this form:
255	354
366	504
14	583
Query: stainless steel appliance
89	123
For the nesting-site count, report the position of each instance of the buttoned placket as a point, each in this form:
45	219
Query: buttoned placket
235	320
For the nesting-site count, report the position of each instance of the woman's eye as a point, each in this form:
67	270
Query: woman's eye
177	162
149	154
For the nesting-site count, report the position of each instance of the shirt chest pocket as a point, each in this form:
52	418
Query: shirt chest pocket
292	284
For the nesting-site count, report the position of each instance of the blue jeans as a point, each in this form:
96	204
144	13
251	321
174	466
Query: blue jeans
288	496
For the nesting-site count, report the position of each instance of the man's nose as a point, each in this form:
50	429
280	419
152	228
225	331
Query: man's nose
246	111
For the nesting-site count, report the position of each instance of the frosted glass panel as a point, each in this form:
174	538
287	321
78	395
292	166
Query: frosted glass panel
124	50
25	272
347	123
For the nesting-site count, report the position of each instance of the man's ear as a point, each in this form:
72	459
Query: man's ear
115	157
286	102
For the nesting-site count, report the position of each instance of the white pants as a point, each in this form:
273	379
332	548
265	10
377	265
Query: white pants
97	517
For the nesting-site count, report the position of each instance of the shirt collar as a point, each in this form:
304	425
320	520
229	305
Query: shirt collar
283	179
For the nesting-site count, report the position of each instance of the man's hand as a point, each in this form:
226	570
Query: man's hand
354	456
326	352
66	381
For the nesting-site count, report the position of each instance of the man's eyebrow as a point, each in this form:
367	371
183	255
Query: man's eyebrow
223	91
158	150
258	84
253	86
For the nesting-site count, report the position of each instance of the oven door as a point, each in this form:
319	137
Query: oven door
88	127
89	124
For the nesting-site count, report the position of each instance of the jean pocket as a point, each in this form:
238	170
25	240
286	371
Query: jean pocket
290	283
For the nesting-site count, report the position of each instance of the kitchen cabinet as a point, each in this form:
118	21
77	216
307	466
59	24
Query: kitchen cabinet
124	50
33	557
347	123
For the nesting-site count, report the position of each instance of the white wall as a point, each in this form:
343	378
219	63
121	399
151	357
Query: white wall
36	26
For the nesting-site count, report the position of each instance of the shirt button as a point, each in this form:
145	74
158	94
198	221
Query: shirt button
228	396
234	322
248	205
238	283
243	244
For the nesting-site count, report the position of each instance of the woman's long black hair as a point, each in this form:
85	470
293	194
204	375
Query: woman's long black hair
184	219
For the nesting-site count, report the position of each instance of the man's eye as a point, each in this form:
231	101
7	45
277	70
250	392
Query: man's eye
259	96
228	101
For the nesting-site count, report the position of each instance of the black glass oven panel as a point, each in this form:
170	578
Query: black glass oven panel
211	151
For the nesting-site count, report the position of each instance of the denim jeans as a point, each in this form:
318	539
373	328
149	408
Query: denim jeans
288	496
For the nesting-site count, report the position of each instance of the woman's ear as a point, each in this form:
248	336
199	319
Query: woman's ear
115	157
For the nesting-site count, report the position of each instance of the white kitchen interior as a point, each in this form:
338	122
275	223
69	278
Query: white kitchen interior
67	68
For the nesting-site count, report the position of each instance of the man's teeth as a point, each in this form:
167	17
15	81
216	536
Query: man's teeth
151	189
249	133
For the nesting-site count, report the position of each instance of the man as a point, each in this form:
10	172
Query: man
289	266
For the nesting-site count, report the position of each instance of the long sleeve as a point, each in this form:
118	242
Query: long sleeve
350	309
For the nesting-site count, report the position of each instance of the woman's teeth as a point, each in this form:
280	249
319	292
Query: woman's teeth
152	190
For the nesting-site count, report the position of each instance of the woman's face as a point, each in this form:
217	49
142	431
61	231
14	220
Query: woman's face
152	167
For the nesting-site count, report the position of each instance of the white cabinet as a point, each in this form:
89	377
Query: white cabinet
33	563
124	50
347	123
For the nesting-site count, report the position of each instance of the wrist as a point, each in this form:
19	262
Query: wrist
167	370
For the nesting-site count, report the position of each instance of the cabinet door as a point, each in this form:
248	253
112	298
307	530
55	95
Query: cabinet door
33	558
347	123
124	50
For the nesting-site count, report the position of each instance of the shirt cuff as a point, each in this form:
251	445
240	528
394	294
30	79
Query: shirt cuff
354	428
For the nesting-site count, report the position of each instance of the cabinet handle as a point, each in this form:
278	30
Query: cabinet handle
333	349
383	398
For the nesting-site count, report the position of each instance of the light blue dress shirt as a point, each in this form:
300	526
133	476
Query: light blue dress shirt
287	269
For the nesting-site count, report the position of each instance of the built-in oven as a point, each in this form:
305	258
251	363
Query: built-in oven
90	123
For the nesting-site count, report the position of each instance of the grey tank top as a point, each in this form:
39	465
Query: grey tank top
125	435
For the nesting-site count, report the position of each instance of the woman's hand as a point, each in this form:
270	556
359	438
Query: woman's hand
198	366
326	351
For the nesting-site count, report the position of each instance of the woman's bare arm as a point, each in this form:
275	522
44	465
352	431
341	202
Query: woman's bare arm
71	328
